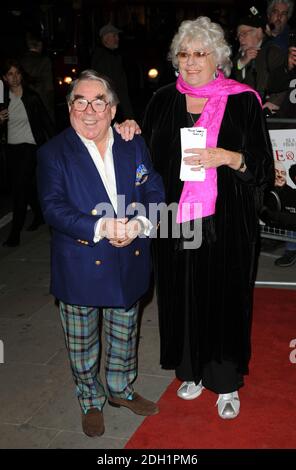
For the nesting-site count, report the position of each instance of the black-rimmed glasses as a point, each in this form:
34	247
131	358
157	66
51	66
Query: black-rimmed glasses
98	106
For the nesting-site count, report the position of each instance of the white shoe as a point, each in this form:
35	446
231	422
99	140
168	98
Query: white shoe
228	405
189	391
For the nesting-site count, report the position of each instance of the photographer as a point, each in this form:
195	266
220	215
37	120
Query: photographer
260	63
278	14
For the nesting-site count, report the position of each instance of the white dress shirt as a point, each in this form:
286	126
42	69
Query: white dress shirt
105	166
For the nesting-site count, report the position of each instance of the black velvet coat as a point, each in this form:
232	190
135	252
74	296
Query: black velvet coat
212	285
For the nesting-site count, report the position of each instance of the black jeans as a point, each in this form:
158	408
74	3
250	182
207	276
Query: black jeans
22	164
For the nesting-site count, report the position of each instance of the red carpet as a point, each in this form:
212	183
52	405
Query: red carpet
268	400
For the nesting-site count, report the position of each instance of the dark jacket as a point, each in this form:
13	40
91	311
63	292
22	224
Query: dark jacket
70	188
267	74
39	119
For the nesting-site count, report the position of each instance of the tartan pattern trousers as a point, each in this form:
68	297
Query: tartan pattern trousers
81	330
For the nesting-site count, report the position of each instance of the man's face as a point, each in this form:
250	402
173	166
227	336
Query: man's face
278	17
111	40
248	36
93	125
280	175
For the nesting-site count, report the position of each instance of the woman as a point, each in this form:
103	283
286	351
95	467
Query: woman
205	294
27	125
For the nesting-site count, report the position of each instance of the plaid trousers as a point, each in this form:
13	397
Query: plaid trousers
81	330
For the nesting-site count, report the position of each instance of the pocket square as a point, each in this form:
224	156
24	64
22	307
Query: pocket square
141	174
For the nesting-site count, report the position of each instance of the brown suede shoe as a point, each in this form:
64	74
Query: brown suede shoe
138	405
93	422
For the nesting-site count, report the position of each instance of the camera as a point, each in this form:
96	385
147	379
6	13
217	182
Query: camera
292	38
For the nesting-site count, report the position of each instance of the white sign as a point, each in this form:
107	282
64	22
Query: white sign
1	352
192	137
1	92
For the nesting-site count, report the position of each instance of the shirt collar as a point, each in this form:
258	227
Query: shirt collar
91	143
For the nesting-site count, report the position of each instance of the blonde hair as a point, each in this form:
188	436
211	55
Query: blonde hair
210	35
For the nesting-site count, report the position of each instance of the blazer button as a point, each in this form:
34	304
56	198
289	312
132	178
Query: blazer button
98	262
94	212
137	252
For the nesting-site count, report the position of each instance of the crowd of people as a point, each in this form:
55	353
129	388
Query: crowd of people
97	184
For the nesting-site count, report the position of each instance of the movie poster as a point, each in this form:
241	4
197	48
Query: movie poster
284	151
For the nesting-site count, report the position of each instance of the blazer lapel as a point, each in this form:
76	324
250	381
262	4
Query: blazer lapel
87	169
124	167
124	160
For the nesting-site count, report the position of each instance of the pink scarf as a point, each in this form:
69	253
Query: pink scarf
198	198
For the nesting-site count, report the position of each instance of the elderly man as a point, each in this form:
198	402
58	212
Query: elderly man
107	60
89	179
260	63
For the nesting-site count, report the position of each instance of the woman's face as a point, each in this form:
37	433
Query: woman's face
196	63
13	77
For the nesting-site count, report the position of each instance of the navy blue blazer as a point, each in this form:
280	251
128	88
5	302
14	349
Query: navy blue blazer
83	272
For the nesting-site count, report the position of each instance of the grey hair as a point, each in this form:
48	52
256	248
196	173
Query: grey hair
90	74
209	34
289	3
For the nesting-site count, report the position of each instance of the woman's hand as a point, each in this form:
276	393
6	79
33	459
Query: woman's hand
128	129
3	115
212	158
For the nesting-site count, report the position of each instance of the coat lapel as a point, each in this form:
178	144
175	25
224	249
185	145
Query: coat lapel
86	168
124	166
